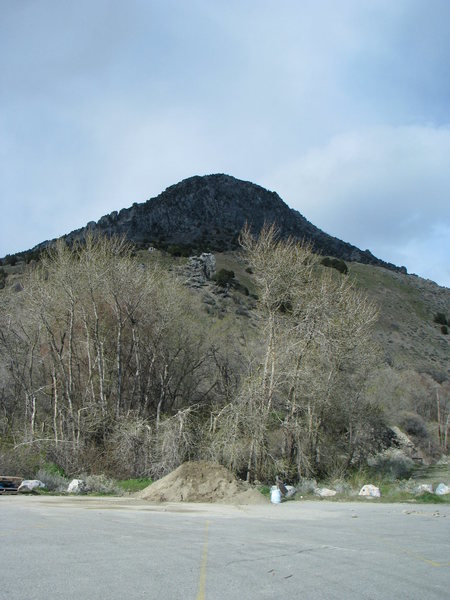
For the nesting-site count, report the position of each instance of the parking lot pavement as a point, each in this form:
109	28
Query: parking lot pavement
97	548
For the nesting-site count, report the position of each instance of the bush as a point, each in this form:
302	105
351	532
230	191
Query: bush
335	263
392	464
413	424
53	481
306	486
285	307
444	329
224	277
177	250
342	487
100	484
131	446
21	462
440	319
340	265
241	288
131	486
10	259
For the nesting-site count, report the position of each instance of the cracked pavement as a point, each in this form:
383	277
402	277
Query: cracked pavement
60	547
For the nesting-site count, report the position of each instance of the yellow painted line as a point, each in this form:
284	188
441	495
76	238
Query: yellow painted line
415	555
202	579
424	559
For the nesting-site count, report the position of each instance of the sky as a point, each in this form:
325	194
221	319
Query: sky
342	108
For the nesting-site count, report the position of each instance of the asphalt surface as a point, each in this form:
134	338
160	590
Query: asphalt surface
67	548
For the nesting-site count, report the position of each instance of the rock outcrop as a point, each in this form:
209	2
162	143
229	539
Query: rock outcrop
199	269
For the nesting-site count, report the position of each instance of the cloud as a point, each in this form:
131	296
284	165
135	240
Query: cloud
385	188
340	107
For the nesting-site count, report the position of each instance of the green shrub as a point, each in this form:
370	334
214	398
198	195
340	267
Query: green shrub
11	259
224	277
413	424
342	487
340	265
286	307
391	464
240	288
54	469
176	250
100	484
429	498
306	486
264	490
134	485
21	462
335	263
440	319
53	480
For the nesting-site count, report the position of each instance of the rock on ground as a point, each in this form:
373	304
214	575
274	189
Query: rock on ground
202	481
370	490
30	485
424	488
290	491
76	486
442	490
325	492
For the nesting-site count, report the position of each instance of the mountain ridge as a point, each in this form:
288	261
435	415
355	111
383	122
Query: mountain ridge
208	212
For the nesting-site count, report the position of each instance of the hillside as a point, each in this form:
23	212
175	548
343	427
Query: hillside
406	332
207	213
406	329
142	355
413	365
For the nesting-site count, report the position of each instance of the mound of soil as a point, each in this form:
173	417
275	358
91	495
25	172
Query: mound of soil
202	481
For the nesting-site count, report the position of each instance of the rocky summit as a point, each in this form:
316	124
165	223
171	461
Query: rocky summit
207	214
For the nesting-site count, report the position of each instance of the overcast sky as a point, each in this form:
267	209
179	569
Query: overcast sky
343	108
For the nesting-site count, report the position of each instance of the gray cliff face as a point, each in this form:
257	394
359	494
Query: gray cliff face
207	213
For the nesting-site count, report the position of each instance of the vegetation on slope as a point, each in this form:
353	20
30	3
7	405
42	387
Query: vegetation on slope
109	365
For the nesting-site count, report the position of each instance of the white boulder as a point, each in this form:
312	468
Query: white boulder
424	487
325	492
76	486
442	490
370	491
30	485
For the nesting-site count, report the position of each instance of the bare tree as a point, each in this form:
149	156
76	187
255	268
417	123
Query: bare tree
95	338
315	356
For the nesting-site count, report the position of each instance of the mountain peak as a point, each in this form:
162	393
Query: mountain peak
209	211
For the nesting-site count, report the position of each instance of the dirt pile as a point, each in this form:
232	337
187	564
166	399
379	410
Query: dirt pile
202	481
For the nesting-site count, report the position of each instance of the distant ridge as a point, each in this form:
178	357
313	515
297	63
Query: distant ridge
208	212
